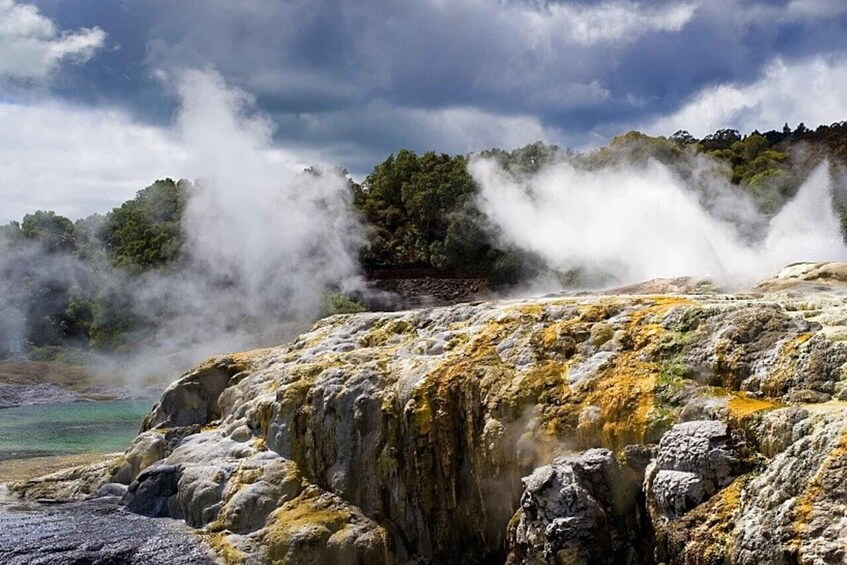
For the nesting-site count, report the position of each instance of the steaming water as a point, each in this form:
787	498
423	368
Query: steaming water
67	429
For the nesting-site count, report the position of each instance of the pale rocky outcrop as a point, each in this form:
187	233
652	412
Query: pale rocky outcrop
683	428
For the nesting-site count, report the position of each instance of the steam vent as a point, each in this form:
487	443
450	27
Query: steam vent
663	423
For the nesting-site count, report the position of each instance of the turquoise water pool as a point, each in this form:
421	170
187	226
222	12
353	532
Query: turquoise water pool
64	429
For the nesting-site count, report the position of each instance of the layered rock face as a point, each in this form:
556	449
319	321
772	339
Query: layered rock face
609	428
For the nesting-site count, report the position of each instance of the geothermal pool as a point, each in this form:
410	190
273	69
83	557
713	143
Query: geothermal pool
69	429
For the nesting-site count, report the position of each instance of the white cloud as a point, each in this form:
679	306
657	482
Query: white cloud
739	15
462	128
810	91
75	160
458	129
812	9
572	95
583	24
32	46
609	21
78	160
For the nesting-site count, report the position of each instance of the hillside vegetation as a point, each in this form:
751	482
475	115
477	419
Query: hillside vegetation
64	283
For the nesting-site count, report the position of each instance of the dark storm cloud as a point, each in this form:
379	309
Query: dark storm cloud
357	80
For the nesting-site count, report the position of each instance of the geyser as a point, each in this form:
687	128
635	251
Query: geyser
636	223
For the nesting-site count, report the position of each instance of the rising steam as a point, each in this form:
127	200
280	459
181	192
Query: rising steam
629	224
264	239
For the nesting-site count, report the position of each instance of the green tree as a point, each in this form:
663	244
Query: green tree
528	159
720	140
683	138
421	211
112	318
337	303
146	232
11	234
634	147
408	202
89	235
55	233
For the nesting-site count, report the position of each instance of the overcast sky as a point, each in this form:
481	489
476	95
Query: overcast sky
88	95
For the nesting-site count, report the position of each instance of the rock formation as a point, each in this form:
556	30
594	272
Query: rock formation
607	428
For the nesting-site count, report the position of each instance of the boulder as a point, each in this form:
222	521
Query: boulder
154	492
570	513
693	461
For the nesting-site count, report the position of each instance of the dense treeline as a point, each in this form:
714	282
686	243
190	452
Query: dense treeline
420	212
65	283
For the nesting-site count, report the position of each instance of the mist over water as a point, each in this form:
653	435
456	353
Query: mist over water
626	224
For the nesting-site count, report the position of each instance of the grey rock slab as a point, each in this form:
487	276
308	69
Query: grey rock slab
95	532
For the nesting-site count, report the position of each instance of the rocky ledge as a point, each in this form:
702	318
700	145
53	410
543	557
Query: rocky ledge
695	427
94	532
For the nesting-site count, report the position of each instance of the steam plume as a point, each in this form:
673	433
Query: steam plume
635	223
263	241
263	238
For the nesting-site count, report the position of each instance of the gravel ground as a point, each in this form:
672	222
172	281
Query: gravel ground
95	532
